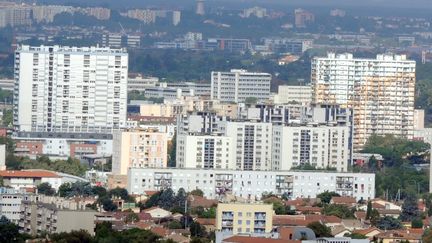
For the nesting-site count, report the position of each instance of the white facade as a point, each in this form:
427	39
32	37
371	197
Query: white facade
252	142
70	89
205	151
381	92
319	146
238	85
252	184
301	94
140	83
10	203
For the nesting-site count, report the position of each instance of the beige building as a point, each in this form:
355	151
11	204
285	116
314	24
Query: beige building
419	119
300	94
54	214
247	218
139	148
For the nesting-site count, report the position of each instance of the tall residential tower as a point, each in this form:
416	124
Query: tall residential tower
380	91
70	89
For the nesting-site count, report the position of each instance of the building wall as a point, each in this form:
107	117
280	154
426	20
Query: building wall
244	218
75	220
292	93
10	206
139	149
87	92
63	147
205	151
320	146
252	142
216	183
238	85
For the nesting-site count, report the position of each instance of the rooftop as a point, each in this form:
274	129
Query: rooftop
27	174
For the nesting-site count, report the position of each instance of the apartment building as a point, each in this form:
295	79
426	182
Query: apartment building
205	122
238	85
54	215
380	91
218	183
10	203
58	145
205	151
242	218
297	94
139	148
70	89
321	146
140	83
252	143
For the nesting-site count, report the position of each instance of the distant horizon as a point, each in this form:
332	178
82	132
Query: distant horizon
410	4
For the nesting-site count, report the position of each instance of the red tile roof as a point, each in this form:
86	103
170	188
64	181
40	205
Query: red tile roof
204	221
196	201
343	200
161	231
27	174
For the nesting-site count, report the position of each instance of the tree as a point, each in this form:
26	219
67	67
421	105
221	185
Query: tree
197	230
327	196
369	210
319	229
374	217
251	100
409	208
167	200
108	204
172	151
73	236
417	223
9	232
389	223
46	189
153	200
174	225
132	217
120	193
99	191
340	211
427	236
197	192
180	200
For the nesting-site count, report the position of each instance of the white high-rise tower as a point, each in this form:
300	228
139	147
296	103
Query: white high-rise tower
70	89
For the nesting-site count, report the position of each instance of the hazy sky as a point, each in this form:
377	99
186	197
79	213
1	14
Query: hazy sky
420	4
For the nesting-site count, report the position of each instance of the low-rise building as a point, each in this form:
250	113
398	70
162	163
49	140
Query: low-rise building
299	94
244	218
218	183
54	215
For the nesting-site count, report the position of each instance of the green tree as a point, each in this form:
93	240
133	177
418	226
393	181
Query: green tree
340	211
167	199
73	236
427	236
108	204
46	189
374	217
197	192
369	210
319	229
174	225
120	193
197	230
389	223
172	151
131	218
409	208
417	223
326	196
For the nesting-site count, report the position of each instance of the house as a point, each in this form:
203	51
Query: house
209	224
352	224
296	233
158	213
347	201
398	236
370	232
360	215
19	179
250	239
389	212
177	238
198	201
340	231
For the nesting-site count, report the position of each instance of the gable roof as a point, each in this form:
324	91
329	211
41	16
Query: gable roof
343	200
